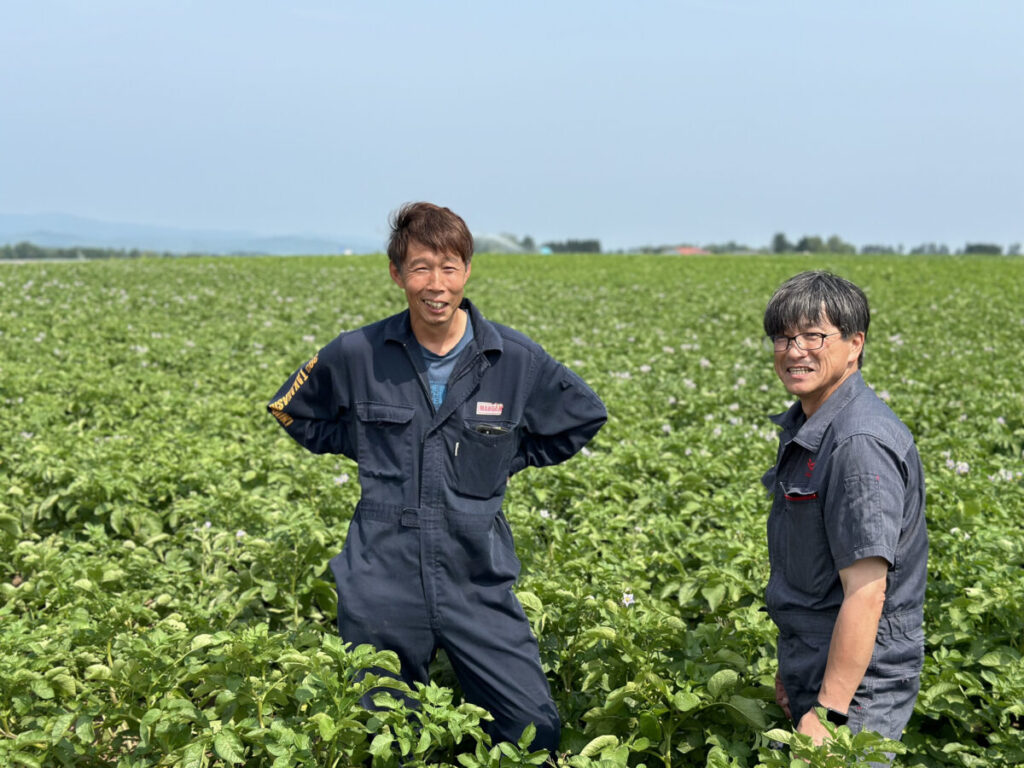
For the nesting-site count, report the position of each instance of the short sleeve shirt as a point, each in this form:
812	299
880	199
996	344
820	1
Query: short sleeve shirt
848	485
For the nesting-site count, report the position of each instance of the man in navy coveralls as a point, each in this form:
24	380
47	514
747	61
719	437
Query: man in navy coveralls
846	535
439	407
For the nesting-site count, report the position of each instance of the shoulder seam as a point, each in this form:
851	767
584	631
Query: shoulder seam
903	439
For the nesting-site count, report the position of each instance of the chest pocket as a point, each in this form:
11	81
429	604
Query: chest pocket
809	564
385	440
481	465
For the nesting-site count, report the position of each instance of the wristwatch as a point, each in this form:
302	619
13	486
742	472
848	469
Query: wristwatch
834	716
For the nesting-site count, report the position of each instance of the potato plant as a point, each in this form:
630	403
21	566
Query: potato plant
164	545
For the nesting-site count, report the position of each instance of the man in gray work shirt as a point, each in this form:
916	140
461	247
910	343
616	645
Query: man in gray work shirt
846	535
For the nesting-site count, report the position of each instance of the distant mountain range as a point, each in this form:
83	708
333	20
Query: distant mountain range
58	230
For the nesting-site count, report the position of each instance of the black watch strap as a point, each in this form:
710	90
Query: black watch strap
833	716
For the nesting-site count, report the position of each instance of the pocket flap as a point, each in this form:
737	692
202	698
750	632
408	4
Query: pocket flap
798	493
384	413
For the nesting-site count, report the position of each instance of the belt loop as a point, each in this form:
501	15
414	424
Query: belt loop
410	518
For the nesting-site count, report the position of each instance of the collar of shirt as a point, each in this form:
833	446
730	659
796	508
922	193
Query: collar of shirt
809	432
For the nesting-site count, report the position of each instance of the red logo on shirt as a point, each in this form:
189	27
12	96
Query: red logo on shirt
810	468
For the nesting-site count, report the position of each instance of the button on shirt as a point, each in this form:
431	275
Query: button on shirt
848	485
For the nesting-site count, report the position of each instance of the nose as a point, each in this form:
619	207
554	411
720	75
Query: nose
794	351
435	282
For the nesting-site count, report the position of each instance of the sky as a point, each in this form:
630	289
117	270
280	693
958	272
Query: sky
635	123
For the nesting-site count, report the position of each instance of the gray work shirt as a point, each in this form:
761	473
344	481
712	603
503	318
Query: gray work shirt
848	485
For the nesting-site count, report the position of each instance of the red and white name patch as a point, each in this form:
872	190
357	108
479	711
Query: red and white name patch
489	409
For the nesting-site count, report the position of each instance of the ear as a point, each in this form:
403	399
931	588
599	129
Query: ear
469	266
856	347
396	275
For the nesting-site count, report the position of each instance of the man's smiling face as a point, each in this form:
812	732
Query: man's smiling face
434	284
813	375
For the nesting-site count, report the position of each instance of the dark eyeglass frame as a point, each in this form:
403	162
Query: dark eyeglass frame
804	341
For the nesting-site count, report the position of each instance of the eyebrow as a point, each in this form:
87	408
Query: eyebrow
423	261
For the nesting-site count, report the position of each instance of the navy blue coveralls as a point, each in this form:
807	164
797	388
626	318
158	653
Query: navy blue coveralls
429	560
848	485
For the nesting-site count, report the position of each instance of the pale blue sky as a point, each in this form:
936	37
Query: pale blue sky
643	122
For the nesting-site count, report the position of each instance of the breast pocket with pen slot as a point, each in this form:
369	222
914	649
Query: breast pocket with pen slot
809	564
481	456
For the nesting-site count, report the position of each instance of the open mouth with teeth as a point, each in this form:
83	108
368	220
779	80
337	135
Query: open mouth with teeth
435	304
798	370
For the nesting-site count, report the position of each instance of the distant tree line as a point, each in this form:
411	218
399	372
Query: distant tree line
528	245
26	251
835	244
573	246
779	244
811	244
730	246
29	252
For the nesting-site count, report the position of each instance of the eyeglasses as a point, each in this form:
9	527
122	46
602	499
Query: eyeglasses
805	341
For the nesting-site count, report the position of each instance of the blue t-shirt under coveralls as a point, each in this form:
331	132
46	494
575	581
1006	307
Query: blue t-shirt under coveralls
440	367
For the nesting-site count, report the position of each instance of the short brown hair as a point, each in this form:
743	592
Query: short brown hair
432	226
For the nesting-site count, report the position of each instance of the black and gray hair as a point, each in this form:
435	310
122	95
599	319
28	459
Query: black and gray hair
810	297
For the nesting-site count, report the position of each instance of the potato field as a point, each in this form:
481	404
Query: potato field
164	592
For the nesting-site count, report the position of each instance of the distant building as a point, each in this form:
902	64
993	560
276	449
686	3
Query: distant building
684	250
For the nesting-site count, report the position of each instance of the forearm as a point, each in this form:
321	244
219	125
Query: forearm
562	414
319	435
849	653
544	450
309	408
853	642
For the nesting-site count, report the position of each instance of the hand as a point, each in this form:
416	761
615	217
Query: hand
781	698
811	725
